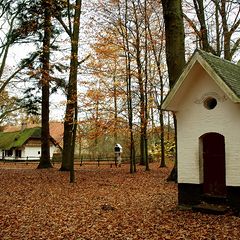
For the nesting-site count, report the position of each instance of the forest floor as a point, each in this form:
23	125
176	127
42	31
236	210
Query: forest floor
104	203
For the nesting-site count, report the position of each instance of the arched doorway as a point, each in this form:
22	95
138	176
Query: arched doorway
213	153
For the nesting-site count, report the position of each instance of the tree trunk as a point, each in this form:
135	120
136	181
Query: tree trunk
137	46
175	48
129	90
199	7
71	108
174	33
163	162
157	57
173	175
147	168
45	136
115	109
72	174
130	112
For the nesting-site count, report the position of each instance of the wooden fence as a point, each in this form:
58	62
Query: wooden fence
100	160
77	161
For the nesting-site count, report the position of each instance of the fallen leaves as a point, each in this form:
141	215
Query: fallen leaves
104	203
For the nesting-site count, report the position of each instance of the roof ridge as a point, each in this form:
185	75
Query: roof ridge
216	57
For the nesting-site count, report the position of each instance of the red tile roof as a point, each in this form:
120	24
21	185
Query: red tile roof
56	132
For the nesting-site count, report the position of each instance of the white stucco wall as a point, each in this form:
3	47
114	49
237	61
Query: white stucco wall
30	151
34	152
194	120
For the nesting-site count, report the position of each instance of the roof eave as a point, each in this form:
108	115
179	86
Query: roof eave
168	99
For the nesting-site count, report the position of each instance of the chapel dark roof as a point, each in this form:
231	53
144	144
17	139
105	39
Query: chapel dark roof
226	70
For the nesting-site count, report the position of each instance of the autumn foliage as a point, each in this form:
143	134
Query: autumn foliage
104	203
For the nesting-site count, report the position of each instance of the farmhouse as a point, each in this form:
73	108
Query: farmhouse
205	101
25	143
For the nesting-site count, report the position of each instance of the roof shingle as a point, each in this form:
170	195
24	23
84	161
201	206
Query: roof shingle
226	70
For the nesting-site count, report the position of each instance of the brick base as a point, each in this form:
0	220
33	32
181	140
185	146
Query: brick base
192	194
189	194
233	195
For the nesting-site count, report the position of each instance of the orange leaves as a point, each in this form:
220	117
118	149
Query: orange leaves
95	95
105	50
104	203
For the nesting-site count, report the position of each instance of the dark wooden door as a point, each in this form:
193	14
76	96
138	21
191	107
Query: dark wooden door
214	164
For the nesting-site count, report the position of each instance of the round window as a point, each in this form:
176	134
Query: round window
210	103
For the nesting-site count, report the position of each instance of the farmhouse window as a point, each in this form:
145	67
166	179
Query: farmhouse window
9	153
18	153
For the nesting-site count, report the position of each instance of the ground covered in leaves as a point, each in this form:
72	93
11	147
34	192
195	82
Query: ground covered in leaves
103	203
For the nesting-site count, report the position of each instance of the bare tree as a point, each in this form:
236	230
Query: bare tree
157	49
216	25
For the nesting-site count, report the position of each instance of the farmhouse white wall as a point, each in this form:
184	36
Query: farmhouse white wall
35	151
194	120
31	152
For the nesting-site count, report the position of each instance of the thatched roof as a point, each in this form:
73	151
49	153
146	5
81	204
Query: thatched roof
16	139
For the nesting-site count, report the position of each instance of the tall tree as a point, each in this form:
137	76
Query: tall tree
45	79
70	121
175	49
157	48
139	74
140	47
126	40
146	56
23	23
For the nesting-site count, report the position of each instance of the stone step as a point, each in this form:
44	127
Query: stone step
219	200
217	209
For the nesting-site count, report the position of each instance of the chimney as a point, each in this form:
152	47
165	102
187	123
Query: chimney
24	125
